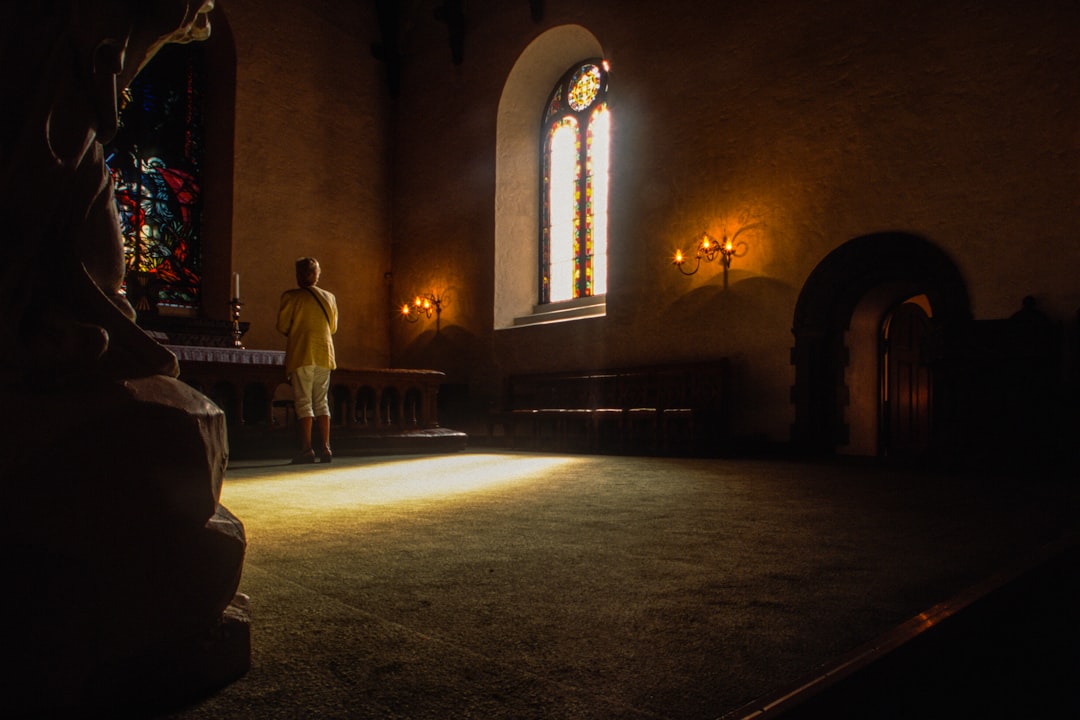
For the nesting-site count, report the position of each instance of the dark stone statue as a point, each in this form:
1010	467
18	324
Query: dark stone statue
121	565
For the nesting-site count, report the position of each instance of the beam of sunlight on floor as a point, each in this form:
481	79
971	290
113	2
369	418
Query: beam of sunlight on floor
343	486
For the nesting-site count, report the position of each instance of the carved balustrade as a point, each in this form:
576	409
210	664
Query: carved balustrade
252	388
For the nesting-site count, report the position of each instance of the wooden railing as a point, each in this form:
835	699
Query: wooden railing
252	389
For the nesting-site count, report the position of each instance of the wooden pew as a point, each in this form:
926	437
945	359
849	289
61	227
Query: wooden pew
655	409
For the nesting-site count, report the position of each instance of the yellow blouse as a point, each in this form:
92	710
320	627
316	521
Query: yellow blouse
308	332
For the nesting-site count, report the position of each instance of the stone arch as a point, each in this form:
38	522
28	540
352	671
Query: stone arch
255	404
517	163
413	407
340	399
853	287
390	407
365	410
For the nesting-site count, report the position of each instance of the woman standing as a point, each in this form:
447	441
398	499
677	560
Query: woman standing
308	317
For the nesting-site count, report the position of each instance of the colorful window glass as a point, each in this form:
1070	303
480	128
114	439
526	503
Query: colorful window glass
575	151
155	161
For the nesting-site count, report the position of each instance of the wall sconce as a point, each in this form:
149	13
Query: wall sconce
422	306
709	249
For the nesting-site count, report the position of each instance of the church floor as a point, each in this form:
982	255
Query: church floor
528	585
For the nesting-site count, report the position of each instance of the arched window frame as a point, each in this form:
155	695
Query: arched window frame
156	166
576	240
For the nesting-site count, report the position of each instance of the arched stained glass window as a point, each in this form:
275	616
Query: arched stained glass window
575	151
155	161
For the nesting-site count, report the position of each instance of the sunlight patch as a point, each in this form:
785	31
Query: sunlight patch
387	482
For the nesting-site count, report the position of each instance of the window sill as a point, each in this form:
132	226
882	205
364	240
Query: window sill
579	309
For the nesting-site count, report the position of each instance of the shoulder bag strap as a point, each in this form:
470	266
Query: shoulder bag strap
321	306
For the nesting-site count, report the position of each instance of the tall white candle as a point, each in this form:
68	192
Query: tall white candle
236	286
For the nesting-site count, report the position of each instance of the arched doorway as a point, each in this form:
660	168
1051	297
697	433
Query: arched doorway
854	392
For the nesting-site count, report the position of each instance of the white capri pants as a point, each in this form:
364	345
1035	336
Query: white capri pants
311	385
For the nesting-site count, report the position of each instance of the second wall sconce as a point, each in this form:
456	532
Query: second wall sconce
424	305
709	249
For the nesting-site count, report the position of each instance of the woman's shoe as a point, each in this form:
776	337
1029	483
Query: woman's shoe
325	456
304	458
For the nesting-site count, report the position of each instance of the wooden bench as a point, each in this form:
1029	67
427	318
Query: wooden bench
656	409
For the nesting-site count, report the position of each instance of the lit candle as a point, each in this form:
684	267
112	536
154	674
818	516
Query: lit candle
236	286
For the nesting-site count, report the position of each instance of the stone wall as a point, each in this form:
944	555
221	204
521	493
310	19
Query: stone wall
951	121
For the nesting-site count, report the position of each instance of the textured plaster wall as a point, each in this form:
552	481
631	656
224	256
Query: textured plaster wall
311	166
822	122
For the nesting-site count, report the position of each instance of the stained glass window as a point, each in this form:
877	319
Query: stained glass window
575	150
155	162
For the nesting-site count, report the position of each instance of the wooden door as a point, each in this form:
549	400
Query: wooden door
908	395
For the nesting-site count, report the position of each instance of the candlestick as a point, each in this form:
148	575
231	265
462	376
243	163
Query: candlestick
234	306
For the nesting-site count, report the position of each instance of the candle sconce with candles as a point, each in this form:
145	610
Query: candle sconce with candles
709	249
423	305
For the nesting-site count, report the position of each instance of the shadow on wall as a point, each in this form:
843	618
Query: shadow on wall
749	322
747	311
451	349
460	354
